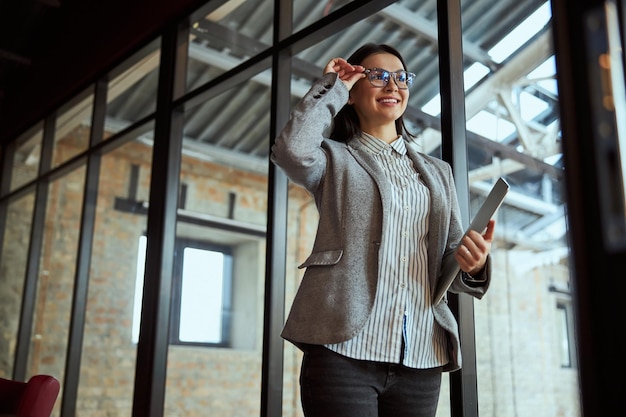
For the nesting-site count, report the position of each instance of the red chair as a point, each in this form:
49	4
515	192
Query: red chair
34	398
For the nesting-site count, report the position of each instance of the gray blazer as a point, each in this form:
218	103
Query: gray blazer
352	195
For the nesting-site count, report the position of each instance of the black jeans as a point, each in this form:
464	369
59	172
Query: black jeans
333	385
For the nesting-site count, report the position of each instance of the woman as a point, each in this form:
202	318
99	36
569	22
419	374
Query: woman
373	343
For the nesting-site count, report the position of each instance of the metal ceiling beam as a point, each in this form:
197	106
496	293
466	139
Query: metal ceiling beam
425	28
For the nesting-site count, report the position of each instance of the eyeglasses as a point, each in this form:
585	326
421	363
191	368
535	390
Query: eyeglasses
380	78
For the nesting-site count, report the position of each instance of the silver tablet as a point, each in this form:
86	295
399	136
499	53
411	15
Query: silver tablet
450	269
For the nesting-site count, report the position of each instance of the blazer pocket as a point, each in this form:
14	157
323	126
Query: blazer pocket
329	257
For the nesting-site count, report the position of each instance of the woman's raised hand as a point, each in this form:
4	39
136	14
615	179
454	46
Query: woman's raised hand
347	72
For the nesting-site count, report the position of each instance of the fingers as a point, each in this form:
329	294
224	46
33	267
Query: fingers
347	72
473	237
474	248
470	260
342	67
491	228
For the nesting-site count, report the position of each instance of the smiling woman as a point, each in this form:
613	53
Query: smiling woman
355	118
363	310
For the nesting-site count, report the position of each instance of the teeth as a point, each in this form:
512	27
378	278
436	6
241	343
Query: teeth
388	100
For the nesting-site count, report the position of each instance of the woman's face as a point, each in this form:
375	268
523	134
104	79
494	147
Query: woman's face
379	106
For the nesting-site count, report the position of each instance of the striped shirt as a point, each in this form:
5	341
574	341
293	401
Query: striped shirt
402	315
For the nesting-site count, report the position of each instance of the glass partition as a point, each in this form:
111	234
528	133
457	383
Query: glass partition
13	261
26	158
112	316
226	37
55	283
523	324
307	12
73	123
131	91
216	334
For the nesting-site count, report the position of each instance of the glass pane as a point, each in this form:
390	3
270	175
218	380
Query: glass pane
13	260
26	158
107	371
57	272
301	227
223	203
411	28
513	132
307	12
72	128
132	90
225	37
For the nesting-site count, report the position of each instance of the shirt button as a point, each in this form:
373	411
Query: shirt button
403	259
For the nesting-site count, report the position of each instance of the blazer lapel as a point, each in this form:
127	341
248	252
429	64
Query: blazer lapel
367	161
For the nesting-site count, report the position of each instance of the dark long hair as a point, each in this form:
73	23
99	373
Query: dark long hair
346	122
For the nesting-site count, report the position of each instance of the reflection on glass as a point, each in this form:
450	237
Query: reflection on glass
73	123
108	357
131	93
25	164
55	285
224	38
523	331
13	260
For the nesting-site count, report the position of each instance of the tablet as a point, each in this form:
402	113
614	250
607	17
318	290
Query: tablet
451	268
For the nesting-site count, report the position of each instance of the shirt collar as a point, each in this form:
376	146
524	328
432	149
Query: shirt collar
378	146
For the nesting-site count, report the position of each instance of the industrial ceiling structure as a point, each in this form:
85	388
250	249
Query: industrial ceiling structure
511	99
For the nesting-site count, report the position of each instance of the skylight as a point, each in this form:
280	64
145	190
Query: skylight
521	34
531	106
545	74
471	76
490	126
433	107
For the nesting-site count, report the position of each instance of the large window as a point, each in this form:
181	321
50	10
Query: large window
204	308
145	231
201	308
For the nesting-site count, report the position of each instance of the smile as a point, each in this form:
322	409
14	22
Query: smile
389	100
